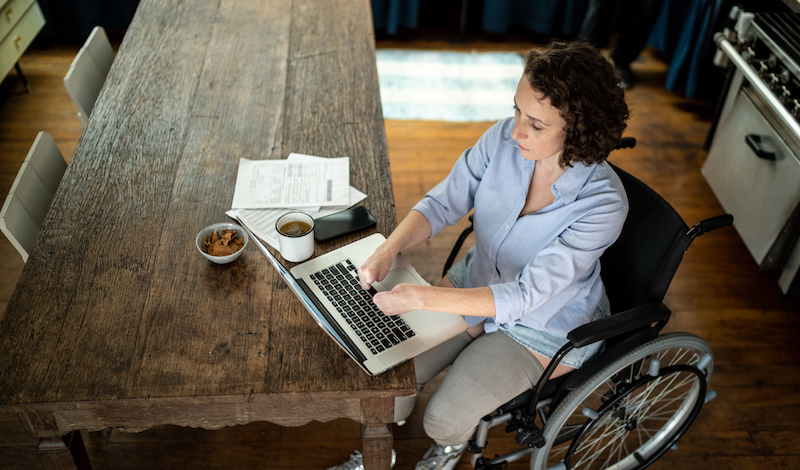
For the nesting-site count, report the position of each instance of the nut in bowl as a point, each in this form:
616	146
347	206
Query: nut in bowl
221	243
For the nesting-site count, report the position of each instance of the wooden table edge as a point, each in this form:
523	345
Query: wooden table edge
139	414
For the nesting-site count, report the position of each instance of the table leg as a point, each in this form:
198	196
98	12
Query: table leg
67	453
376	433
22	77
377	443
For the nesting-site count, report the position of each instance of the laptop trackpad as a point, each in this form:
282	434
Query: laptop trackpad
396	276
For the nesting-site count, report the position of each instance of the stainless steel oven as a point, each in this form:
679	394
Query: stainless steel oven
753	164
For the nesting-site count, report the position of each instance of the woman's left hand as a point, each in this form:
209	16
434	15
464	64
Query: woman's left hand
475	302
403	298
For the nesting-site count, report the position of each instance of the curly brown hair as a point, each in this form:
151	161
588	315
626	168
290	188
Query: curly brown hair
582	84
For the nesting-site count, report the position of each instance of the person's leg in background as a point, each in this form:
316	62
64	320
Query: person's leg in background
636	20
632	19
598	22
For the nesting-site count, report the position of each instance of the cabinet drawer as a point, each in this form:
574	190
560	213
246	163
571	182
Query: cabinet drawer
20	37
10	13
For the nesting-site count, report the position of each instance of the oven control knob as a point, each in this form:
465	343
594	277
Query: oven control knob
785	75
772	61
796	110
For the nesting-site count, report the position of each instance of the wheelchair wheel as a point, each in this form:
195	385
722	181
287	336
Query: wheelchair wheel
632	411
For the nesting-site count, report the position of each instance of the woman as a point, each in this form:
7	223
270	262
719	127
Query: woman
546	206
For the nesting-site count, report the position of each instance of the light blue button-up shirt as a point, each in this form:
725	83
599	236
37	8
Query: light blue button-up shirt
543	268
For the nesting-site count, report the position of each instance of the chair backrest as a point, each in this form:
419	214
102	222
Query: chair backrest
88	71
99	48
28	201
640	265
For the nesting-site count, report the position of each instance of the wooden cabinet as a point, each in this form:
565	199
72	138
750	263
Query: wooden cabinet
20	22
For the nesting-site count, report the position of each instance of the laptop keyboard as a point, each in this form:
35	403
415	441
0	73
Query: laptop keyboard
379	331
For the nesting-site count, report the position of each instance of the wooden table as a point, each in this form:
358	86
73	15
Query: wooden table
117	321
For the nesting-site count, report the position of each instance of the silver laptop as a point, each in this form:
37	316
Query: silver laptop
329	289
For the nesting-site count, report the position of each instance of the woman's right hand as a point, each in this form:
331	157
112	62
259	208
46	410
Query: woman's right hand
377	266
412	230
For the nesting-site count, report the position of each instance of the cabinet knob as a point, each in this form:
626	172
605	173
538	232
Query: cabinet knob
18	40
9	12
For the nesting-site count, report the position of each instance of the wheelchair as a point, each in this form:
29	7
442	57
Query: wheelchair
631	402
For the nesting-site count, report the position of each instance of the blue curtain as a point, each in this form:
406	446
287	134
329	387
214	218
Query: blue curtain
391	14
684	34
555	18
667	30
78	17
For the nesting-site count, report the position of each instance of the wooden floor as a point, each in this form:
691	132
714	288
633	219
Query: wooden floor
718	293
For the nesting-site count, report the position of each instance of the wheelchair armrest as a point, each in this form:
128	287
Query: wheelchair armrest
626	143
630	320
619	323
710	224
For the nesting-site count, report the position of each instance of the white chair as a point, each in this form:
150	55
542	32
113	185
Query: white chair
28	201
88	72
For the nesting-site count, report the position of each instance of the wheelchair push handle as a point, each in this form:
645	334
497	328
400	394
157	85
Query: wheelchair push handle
710	224
626	143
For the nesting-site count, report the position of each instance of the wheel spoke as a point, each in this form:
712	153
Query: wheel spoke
589	445
666	387
598	450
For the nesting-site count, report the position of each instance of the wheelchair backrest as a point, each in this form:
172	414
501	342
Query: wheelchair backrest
638	268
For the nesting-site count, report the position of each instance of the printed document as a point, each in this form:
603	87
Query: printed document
294	182
261	221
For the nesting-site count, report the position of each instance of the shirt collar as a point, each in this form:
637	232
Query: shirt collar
569	185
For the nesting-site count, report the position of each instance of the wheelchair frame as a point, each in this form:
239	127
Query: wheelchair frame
681	360
640	378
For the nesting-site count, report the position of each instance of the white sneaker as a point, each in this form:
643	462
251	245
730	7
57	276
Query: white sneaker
356	462
440	457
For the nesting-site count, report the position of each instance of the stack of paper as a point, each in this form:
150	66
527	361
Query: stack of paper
267	189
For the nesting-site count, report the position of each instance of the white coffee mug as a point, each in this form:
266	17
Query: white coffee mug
295	236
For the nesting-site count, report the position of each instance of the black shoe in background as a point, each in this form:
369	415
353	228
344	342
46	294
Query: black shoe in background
625	77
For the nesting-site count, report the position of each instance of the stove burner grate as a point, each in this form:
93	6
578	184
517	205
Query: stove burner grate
784	30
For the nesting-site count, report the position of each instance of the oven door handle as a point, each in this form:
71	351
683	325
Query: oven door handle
758	84
754	142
